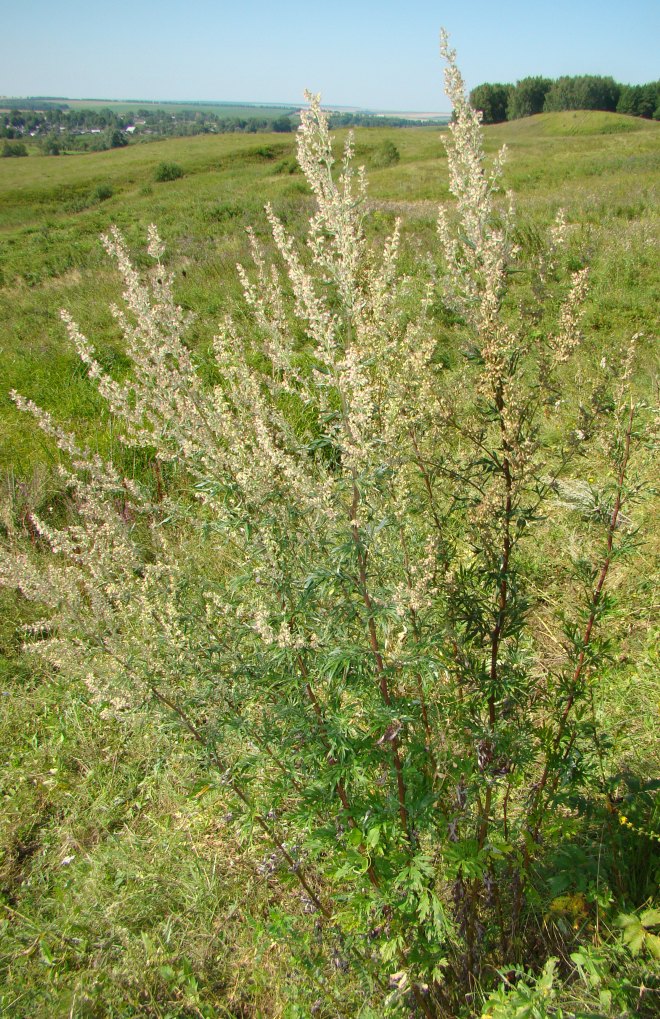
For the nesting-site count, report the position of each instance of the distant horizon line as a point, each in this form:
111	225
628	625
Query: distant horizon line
334	107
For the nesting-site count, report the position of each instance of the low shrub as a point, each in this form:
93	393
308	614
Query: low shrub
167	171
101	193
286	166
386	154
13	149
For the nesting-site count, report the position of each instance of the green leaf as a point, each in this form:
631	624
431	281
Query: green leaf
547	979
605	999
373	836
652	942
437	974
45	952
355	837
390	949
633	933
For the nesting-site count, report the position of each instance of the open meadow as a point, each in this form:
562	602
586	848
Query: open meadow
126	890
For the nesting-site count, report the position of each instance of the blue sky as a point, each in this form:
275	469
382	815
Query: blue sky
371	53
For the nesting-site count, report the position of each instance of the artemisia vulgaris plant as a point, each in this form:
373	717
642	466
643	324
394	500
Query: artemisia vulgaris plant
326	585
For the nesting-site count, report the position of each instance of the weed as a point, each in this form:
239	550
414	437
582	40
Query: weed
310	565
167	171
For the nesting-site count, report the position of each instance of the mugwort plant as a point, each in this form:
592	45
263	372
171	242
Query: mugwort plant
327	578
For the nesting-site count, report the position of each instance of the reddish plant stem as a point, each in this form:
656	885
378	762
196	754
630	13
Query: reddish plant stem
420	999
419	996
423	1003
485	817
422	701
341	792
373	638
502	602
505	811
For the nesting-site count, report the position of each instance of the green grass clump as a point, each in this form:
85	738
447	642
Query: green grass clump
14	149
168	171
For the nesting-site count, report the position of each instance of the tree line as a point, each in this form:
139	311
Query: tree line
536	94
27	118
340	119
58	128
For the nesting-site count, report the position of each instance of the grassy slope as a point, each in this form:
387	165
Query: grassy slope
50	255
123	895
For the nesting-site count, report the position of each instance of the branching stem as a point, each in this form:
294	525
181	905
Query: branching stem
536	811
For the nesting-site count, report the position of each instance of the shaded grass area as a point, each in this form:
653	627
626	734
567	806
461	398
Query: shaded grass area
122	892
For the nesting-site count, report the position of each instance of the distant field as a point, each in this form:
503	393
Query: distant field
222	109
244	111
409	115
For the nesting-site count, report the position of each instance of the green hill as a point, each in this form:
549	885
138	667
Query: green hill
576	122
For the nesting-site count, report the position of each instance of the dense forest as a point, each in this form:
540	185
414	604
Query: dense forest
532	95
